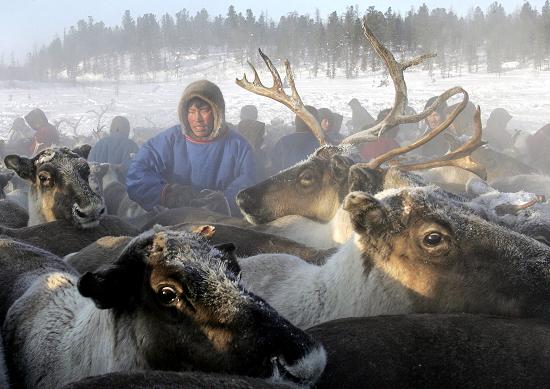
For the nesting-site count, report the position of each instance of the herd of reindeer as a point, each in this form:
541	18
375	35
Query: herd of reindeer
341	274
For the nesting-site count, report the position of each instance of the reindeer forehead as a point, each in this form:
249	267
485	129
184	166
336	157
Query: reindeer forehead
57	157
180	247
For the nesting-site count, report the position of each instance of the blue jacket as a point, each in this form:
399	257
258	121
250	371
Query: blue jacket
222	164
114	149
291	149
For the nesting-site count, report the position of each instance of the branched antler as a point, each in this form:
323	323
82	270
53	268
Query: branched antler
397	114
277	93
459	157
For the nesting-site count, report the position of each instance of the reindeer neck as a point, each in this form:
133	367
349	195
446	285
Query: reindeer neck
340	226
353	288
81	339
36	215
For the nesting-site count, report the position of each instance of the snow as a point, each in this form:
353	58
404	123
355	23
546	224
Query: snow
523	92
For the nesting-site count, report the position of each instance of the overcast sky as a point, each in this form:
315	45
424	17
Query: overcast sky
28	23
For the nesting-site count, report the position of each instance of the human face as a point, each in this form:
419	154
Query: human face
433	120
201	119
325	124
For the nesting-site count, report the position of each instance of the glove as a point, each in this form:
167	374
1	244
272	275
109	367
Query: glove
211	200
175	195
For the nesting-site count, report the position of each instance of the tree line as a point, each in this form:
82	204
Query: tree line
481	40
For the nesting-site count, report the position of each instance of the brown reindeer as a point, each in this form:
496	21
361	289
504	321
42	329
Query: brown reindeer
413	251
59	188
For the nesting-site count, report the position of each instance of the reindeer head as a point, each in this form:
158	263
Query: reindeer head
313	188
446	259
59	187
191	310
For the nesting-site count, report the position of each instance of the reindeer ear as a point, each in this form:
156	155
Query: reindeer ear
364	179
228	255
24	167
119	284
339	167
82	151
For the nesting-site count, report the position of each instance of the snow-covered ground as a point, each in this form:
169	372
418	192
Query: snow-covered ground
524	93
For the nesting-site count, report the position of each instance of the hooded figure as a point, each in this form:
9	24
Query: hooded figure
46	134
293	148
116	148
495	133
195	162
360	117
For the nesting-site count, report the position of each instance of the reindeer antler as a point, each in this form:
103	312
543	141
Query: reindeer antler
461	156
277	93
397	114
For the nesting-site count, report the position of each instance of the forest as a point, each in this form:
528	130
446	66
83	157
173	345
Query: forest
331	46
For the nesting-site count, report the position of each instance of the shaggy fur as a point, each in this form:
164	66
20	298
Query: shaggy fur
435	351
171	380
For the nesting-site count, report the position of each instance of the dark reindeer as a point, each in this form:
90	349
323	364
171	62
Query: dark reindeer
170	301
11	214
59	188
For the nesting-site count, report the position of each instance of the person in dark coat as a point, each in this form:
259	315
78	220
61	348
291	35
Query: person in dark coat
45	135
293	148
199	162
495	132
331	122
254	132
438	146
360	117
116	148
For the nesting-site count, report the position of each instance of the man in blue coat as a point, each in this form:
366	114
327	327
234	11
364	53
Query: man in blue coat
195	163
116	148
295	147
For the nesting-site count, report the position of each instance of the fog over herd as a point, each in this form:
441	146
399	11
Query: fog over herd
341	200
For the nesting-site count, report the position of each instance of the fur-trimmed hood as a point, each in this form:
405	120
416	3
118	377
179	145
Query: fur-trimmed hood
211	93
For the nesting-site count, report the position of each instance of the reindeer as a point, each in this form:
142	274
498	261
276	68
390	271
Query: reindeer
11	213
412	252
169	302
170	379
248	243
434	351
315	188
61	237
59	188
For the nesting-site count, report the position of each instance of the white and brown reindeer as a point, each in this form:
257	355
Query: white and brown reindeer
170	301
59	188
412	251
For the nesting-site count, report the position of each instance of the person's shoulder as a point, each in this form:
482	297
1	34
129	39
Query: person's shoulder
167	136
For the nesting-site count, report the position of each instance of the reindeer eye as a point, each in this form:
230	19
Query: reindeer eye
167	295
306	178
433	238
44	178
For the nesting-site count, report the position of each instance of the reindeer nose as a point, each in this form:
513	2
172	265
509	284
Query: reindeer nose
89	216
244	200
